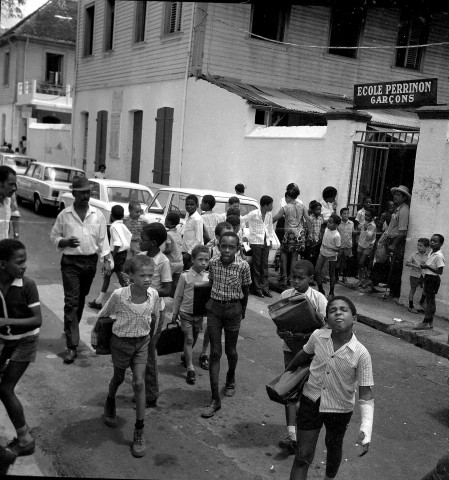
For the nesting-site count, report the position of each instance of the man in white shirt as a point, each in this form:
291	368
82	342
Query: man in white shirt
261	236
101	172
192	230
8	204
80	234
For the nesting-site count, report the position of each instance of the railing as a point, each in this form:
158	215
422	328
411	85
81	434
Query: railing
32	87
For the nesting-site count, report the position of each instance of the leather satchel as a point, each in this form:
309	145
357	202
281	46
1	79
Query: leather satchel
171	340
101	334
287	388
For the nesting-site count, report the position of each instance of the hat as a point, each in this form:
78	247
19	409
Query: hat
80	183
401	189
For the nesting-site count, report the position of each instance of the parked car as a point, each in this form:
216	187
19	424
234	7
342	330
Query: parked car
16	161
42	183
106	193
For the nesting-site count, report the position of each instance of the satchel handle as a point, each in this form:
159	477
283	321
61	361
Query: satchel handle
296	298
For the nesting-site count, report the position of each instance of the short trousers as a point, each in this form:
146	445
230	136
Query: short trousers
368	251
191	322
119	261
347	252
416	282
224	315
309	417
431	284
129	351
20	350
288	357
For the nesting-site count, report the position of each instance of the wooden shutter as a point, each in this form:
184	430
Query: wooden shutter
137	145
162	149
102	132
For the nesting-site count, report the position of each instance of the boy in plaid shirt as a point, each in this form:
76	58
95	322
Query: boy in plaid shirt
230	278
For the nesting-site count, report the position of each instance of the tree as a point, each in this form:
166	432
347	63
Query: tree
11	8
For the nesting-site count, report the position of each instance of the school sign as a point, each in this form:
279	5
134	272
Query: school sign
407	93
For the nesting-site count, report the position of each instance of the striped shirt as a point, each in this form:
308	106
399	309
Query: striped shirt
185	289
135	227
346	229
334	375
315	228
132	320
211	220
228	279
260	229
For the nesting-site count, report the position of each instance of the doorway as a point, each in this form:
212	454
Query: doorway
136	146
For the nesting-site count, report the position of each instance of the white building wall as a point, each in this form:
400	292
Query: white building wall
148	98
49	142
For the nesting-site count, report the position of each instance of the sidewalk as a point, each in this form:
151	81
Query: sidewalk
387	316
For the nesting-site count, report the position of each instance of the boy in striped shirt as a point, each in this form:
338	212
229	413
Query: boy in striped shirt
339	363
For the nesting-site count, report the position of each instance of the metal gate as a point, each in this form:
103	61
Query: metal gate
370	159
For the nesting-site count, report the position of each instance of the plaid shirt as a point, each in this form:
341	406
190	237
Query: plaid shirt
131	322
228	279
135	227
315	227
211	220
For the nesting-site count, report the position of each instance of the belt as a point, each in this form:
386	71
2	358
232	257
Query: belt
82	256
20	335
226	301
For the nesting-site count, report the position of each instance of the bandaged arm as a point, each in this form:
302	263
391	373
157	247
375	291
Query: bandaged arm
367	414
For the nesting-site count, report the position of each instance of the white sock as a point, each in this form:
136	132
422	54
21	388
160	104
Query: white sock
291	431
100	297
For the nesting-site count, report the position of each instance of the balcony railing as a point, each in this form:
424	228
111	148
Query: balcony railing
48	92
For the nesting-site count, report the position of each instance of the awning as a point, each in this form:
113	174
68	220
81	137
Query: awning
301	101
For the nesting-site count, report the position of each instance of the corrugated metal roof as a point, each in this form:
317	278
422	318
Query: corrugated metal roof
302	101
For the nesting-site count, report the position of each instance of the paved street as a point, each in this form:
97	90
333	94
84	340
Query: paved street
64	403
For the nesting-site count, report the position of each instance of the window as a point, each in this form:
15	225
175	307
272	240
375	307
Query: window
411	31
109	24
89	17
178	204
159	202
53	70
346	25
95	192
30	171
37	172
269	20
6	69
140	21
173	17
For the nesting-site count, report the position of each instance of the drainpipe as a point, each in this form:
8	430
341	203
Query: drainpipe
184	98
24	80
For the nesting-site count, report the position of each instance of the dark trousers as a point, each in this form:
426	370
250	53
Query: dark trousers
78	273
431	287
259	266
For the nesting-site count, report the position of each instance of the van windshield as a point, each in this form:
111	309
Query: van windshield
245	208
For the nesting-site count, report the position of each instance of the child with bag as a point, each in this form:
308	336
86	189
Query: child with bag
134	307
301	275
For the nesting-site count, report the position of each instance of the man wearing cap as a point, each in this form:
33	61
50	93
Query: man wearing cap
80	234
395	236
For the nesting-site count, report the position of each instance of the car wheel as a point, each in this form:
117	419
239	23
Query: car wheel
37	205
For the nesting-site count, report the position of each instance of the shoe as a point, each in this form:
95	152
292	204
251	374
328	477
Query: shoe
412	310
110	415
183	361
259	294
267	293
191	377
229	389
424	326
211	408
138	446
70	355
204	362
7	456
288	444
21	450
95	305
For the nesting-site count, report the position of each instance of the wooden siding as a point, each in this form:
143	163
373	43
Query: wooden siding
159	58
7	91
230	52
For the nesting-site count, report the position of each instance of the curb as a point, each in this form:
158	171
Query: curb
437	345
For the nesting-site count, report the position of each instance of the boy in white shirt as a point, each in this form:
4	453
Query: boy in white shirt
330	247
416	274
120	243
192	230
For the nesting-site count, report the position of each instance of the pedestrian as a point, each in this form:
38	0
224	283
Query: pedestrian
23	145
136	308
101	171
134	222
329	250
153	236
302	276
210	218
416	274
119	245
191	323
314	232
360	217
339	363
328	204
432	270
296	221
230	278
365	247
80	254
9	213
261	237
173	244
346	231
192	230
20	320
239	189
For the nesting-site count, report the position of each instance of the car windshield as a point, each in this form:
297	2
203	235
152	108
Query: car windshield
159	202
58	174
245	208
17	161
126	194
